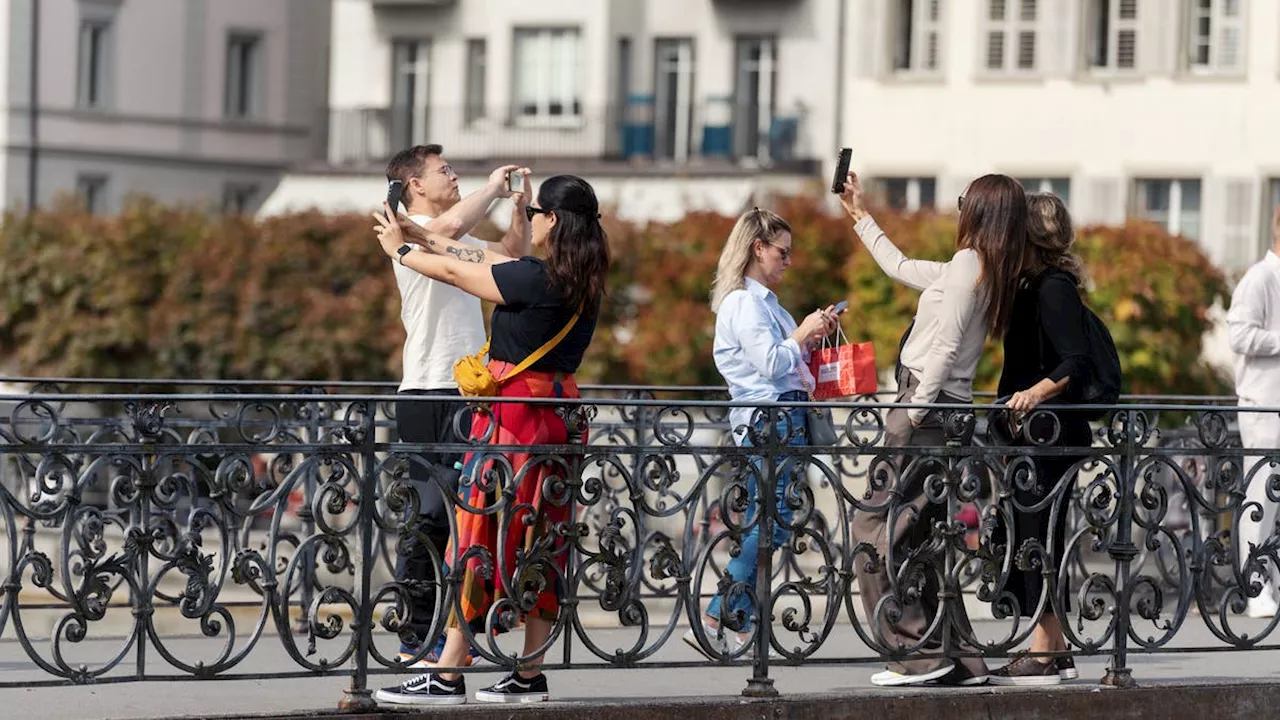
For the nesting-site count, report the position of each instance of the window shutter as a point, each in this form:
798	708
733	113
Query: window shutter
1126	35
1104	203
1238	243
1229	35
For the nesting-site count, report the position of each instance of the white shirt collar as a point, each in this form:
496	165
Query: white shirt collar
757	288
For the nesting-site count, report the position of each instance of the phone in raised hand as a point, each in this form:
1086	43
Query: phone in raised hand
515	181
842	170
395	191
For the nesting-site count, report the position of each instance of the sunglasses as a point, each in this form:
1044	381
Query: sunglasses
531	210
960	203
784	252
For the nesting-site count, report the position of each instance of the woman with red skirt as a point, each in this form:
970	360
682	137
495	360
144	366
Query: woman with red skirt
511	506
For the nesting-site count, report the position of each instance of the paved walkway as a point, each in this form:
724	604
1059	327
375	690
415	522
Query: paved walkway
579	689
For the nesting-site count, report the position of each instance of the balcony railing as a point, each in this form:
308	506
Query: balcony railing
259	518
710	133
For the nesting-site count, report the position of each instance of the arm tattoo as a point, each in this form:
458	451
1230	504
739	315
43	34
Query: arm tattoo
471	255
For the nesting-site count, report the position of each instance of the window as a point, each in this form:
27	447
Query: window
95	72
905	194
754	85
916	33
92	190
1269	203
238	199
1058	186
244	76
410	87
548	87
1171	203
1216	36
1011	35
1111	35
477	70
673	97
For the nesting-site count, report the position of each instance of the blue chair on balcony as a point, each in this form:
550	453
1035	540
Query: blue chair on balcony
783	133
637	127
717	128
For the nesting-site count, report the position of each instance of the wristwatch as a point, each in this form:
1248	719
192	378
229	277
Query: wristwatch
402	251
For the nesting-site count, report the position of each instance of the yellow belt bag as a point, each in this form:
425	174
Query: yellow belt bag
472	372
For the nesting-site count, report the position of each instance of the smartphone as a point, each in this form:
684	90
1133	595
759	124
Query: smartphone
515	181
395	189
842	170
840	307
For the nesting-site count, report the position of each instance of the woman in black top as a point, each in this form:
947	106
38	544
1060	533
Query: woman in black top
522	527
1046	360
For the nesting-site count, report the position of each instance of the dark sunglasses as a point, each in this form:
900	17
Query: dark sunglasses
531	210
960	202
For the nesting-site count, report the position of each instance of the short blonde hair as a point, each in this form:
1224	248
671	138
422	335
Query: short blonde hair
753	225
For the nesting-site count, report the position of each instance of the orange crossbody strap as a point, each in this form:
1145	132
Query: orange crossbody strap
541	352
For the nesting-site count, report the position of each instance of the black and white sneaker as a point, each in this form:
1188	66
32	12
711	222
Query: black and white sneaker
426	689
515	689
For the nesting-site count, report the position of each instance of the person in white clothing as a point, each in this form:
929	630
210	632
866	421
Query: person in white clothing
1253	328
442	324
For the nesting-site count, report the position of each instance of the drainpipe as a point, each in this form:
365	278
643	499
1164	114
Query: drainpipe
842	7
33	112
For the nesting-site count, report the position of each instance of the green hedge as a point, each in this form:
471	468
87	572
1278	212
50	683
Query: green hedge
175	292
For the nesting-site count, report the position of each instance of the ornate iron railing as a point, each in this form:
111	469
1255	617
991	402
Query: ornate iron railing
253	514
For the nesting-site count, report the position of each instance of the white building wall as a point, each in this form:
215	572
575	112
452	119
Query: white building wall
1163	122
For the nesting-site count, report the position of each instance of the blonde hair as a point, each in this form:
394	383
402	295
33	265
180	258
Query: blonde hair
1050	238
753	225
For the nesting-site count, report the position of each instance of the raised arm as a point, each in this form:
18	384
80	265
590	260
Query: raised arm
463	217
468	274
491	254
917	274
518	241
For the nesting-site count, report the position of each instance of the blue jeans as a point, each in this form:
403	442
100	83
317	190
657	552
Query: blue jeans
743	567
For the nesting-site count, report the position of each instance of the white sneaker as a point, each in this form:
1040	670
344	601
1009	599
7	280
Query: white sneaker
1263	606
717	644
727	646
890	678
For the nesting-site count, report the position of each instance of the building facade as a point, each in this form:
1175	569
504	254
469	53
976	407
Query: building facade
1157	109
205	102
665	105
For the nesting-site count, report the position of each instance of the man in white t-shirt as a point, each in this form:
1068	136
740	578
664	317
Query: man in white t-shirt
442	324
1253	328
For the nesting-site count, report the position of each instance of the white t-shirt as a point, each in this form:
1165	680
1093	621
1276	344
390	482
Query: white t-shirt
441	322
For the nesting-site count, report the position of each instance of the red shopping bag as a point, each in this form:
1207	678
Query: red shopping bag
843	369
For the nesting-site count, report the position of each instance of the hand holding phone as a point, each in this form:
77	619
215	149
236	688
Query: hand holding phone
515	181
842	170
395	191
840	307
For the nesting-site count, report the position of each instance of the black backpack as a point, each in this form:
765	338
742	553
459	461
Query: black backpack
1103	385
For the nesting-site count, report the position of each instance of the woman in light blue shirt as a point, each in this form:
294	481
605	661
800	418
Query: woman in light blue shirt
763	356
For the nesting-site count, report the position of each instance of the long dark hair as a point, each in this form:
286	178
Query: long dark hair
993	222
577	249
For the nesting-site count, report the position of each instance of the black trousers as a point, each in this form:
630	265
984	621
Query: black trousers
441	421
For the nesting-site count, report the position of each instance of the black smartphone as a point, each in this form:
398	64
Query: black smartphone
842	170
395	189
